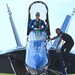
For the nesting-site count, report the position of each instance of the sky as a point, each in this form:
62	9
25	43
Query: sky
58	9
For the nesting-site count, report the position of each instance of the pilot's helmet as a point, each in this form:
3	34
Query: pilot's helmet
37	14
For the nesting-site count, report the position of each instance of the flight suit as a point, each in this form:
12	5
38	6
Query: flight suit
37	24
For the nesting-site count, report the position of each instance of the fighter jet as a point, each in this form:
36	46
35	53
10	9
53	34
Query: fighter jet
34	58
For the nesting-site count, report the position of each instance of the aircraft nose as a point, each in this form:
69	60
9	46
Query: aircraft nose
37	60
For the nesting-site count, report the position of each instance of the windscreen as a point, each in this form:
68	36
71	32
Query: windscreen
38	7
37	36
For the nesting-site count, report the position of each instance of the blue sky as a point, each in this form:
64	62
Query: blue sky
58	9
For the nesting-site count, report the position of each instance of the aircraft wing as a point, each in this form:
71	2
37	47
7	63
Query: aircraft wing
18	48
16	58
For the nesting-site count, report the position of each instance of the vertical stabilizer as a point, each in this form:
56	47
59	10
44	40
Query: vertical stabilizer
65	26
13	27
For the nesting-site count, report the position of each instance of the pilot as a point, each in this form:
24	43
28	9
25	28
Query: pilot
67	46
37	24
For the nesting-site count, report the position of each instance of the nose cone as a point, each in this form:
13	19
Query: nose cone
37	60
